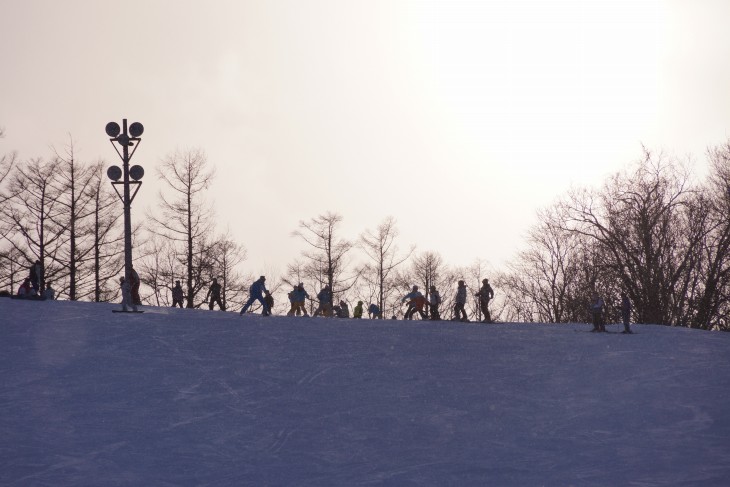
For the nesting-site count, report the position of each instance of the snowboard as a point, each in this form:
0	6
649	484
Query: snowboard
122	311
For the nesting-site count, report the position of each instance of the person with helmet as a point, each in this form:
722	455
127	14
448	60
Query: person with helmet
485	294
256	293
459	310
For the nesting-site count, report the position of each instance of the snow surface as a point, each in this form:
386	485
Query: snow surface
193	397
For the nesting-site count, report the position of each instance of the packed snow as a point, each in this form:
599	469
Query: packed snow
197	397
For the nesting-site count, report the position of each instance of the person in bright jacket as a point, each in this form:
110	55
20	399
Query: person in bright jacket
24	291
357	312
256	293
325	302
416	302
459	310
298	298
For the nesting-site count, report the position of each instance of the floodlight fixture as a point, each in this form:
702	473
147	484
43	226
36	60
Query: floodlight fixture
136	129
114	173
136	172
112	129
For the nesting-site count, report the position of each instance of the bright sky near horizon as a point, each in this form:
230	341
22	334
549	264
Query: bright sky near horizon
458	118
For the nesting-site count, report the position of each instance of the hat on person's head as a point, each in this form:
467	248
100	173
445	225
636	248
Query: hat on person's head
177	282
461	283
485	280
262	278
415	288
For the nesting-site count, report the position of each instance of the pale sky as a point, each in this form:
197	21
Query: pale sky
458	118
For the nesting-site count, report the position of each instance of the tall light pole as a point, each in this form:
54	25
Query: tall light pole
126	138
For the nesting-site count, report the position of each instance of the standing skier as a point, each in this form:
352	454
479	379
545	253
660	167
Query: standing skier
416	301
35	275
177	295
597	313
459	310
626	312
357	312
256	293
214	291
135	288
325	302
434	301
485	294
126	295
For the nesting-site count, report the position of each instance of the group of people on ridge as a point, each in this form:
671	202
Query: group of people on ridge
31	288
415	300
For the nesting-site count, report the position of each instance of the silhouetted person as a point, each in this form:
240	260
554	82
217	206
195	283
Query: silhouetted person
214	291
597	313
177	295
459	309
135	288
126	295
325	302
434	301
256	293
485	294
626	312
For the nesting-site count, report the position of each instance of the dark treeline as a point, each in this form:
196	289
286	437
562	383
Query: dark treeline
650	231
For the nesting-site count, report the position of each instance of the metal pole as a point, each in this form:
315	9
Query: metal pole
127	208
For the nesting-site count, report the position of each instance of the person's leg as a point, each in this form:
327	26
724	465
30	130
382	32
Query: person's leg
266	311
248	304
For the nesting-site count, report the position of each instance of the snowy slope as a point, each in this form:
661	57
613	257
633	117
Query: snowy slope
191	397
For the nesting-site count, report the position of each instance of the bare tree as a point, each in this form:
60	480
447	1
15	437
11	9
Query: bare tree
227	257
31	216
540	285
73	182
641	229
327	262
380	248
186	219
107	238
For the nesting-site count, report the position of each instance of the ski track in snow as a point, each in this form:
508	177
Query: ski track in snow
193	397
